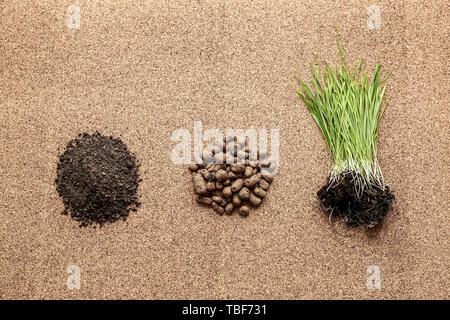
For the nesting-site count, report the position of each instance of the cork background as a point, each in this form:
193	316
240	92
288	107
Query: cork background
142	69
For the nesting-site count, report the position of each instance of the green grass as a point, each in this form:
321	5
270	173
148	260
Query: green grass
348	107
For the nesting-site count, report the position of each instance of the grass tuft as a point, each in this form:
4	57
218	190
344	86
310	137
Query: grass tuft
347	106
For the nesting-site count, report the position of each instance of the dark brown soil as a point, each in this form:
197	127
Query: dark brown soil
340	200
97	179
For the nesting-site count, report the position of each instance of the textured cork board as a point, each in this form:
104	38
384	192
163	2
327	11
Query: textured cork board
141	70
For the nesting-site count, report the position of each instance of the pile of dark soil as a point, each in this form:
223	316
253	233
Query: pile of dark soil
341	201
97	179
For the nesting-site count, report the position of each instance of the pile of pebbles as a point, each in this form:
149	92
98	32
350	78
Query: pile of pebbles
226	187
